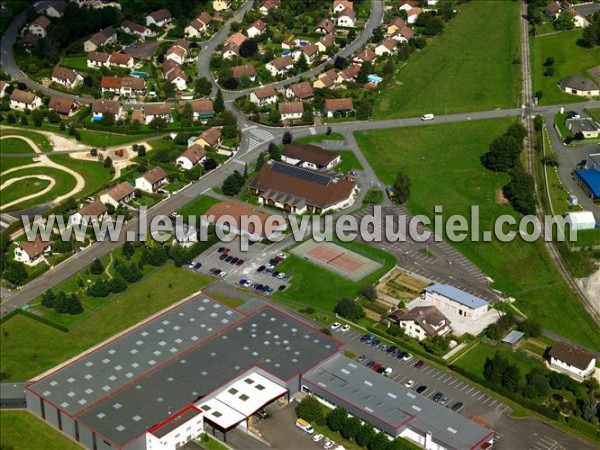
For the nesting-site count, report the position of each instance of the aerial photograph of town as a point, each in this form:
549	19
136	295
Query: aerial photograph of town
300	224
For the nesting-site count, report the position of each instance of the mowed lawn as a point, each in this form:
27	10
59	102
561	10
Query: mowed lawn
569	59
198	206
469	67
315	286
95	174
14	145
100	139
30	348
21	430
28	185
40	140
349	162
443	163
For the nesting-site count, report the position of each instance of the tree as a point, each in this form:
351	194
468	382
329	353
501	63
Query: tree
274	152
15	273
363	74
158	123
229	132
117	284
70	303
494	368
301	65
401	188
378	442
349	309
591	34
130	272
141	151
311	410
537	378
287	138
369	292
395	330
530	327
248	48
274	115
233	184
11	119
48	299
219	104
538	122
351	428
307	115
564	22
493	332
61	303
389	68
155	256
99	288
378	35
38	117
520	191
337	419
511	377
108	119
96	268
365	435
503	153
108	162
260	161
53	116
24	120
127	250
589	408
209	164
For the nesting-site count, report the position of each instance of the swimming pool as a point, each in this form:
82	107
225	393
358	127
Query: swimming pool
374	79
286	53
139	74
302	43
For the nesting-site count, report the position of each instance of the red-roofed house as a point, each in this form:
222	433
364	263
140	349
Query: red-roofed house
152	180
386	47
413	14
338	105
192	156
267	5
118	194
256	29
346	18
291	110
280	66
264	96
198	26
40	26
32	252
161	18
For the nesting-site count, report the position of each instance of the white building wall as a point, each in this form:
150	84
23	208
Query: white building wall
457	308
178	437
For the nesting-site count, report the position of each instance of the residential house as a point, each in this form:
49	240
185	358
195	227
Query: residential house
32	252
309	156
325	26
413	15
393	26
192	156
298	191
176	53
576	85
264	96
40	26
386	47
133	28
128	86
232	45
101	107
210	138
64	106
553	10
422	322
158	111
340	5
256	29
403	35
96	60
348	74
310	51
177	77
588	128
116	195
338	105
365	56
23	100
280	66
120	60
301	91
406	5
203	109
326	80
93	212
291	110
56	9
346	18
221	5
137	115
198	26
246	70
325	43
66	77
267	5
152	180
102	38
583	13
456	301
161	18
572	361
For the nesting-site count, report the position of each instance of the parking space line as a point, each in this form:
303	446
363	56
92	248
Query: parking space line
477	391
482	395
465	386
493	403
452	382
459	385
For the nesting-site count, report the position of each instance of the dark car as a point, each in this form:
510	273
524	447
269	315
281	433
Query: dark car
228	258
258	287
221	249
419	364
391	349
437	397
421	389
361	358
266	288
240	262
274	273
217	272
381	369
197	266
456	406
234	260
370	364
401	355
282	287
376	367
261	268
375	342
274	262
223	256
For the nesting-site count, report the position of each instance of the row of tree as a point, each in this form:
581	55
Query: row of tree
62	302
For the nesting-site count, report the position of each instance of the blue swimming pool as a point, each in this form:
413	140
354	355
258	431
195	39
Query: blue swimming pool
286	53
302	43
139	74
374	79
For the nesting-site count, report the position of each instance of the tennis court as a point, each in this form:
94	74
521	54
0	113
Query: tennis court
337	259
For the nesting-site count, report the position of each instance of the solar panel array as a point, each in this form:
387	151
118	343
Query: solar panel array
303	174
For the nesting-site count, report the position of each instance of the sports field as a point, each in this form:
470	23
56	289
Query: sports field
471	66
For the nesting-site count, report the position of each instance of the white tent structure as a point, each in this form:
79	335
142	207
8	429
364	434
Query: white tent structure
580	220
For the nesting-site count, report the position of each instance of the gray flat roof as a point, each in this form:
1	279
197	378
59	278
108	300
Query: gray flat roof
587	9
211	353
394	404
458	295
584	124
513	337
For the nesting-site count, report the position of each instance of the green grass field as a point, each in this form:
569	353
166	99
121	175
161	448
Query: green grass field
29	185
198	206
594	114
569	59
314	286
14	145
30	348
64	184
94	173
443	164
22	430
349	162
76	62
8	162
468	67
100	139
318	138
40	140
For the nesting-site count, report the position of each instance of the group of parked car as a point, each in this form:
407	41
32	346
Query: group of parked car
229	258
270	268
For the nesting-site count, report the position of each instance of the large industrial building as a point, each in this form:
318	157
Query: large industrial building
202	365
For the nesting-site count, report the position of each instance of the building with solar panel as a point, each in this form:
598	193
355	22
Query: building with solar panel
298	190
204	366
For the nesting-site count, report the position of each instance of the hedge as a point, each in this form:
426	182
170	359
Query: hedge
409	346
34	317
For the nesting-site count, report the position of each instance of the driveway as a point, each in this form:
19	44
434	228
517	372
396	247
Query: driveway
143	51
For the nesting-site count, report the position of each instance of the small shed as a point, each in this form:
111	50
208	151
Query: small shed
513	338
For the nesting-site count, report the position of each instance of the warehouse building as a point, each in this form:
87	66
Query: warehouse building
393	408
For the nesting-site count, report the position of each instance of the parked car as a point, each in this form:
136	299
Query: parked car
228	258
421	389
234	260
223	256
261	269
381	370
282	287
437	396
318	437
221	249
345	328
383	347
335	325
240	262
275	273
197	266
222	274
281	275
409	383
391	349
370	364
419	364
428	117
407	357
328	444
444	400
375	367
388	371
457	406
281	255
361	358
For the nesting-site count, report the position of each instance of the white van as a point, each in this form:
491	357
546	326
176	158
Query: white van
304	425
428	117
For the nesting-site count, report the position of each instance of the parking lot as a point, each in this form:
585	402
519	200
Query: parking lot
475	402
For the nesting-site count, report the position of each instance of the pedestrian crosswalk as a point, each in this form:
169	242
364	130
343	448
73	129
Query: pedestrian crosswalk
257	137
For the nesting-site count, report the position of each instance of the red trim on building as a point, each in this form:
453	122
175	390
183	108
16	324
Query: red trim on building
173	417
